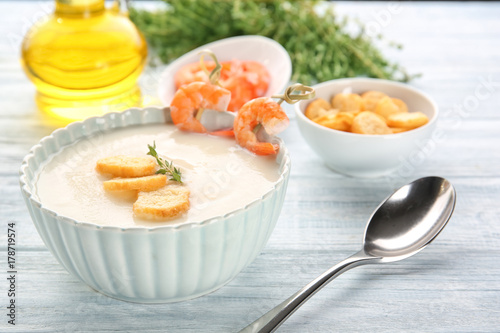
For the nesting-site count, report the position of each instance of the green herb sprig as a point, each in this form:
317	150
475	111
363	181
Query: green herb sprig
322	46
166	167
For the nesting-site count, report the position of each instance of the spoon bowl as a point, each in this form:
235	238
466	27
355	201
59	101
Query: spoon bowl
408	220
404	224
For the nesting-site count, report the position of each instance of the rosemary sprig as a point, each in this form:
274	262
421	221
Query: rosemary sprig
166	167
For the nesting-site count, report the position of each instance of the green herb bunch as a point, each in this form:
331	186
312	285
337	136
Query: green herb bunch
320	45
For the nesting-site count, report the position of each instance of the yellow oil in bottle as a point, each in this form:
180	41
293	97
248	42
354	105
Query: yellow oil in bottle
84	60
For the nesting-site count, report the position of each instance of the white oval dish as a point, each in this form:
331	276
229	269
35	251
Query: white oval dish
361	155
150	265
258	48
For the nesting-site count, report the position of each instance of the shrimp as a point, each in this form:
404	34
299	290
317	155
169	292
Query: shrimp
193	73
258	112
245	80
190	99
257	75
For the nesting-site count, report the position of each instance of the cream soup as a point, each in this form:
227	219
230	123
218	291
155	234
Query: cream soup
221	176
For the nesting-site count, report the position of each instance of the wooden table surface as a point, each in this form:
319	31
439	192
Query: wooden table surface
452	286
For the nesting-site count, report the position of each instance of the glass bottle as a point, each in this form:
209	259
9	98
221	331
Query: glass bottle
85	59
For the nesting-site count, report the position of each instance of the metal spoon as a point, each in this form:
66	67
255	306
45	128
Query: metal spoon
404	224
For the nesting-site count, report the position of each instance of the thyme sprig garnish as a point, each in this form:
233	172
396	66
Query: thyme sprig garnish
166	167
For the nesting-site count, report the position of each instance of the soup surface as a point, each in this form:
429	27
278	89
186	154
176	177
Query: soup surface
221	176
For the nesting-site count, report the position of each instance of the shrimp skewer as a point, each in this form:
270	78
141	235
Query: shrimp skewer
259	112
268	114
190	100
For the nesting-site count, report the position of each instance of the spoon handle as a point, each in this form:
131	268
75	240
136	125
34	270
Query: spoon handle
270	321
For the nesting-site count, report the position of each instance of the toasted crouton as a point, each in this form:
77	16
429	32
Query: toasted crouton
387	106
347	102
400	104
317	108
341	121
368	122
371	99
408	120
168	202
145	184
126	166
396	130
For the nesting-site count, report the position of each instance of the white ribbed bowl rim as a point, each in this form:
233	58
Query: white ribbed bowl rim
283	159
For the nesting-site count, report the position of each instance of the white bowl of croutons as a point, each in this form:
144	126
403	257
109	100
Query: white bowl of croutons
366	127
200	235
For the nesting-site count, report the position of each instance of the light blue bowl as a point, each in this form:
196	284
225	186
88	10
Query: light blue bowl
150	265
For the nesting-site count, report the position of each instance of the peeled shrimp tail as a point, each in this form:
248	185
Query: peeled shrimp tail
189	99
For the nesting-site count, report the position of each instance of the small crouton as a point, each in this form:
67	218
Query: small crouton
396	130
347	102
168	202
341	121
408	120
400	104
144	184
387	106
369	123
317	108
126	166
371	99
